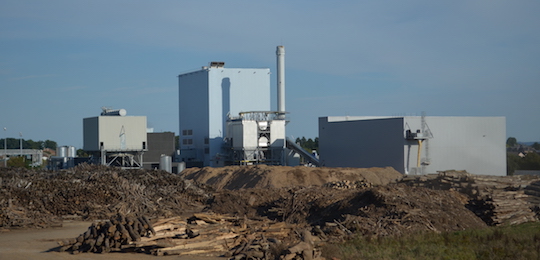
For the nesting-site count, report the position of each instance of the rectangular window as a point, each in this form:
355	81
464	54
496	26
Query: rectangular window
206	140
206	150
187	141
187	132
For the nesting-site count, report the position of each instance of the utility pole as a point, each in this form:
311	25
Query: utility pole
20	143
5	147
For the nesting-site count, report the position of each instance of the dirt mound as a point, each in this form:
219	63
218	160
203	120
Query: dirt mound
263	176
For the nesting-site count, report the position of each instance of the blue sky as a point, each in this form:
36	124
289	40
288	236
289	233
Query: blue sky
61	61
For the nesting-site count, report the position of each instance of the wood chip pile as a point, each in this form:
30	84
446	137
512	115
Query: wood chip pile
498	200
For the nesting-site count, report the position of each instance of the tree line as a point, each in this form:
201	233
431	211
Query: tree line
14	143
308	144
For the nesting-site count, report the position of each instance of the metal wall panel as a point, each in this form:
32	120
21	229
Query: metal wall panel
193	114
90	134
361	143
115	132
474	144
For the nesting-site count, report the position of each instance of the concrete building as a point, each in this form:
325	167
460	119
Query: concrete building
159	144
415	144
114	139
207	97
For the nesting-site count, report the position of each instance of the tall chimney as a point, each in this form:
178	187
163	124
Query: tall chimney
280	52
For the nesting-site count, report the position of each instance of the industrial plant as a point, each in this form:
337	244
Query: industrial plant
225	118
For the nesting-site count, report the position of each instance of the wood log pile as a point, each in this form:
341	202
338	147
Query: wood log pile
498	200
109	235
201	234
533	190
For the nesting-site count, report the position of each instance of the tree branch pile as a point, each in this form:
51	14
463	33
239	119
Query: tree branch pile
41	198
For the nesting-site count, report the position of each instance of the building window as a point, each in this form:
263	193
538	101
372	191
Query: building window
187	141
206	140
187	132
206	150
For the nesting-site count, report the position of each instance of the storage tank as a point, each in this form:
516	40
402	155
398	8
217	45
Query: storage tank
71	151
165	163
61	151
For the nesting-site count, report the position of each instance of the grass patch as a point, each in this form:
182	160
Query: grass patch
510	242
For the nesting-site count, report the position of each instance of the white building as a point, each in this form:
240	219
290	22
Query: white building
207	97
257	137
415	144
116	139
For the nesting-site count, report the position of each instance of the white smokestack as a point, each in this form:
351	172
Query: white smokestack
280	52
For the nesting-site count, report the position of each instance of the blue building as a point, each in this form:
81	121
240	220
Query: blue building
207	98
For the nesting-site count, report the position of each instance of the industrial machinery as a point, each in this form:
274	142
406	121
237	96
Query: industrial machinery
256	137
225	117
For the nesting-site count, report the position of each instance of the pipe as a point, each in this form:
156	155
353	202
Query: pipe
280	53
419	153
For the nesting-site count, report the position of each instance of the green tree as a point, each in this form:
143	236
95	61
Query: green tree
511	142
12	143
18	161
50	144
15	143
81	153
512	163
308	144
536	146
531	161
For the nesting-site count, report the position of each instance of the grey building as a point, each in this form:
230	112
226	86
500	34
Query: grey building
159	144
415	144
114	139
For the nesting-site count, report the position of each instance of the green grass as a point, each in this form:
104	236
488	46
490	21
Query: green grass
511	242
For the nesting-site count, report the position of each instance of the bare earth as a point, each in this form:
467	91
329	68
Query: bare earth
39	244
